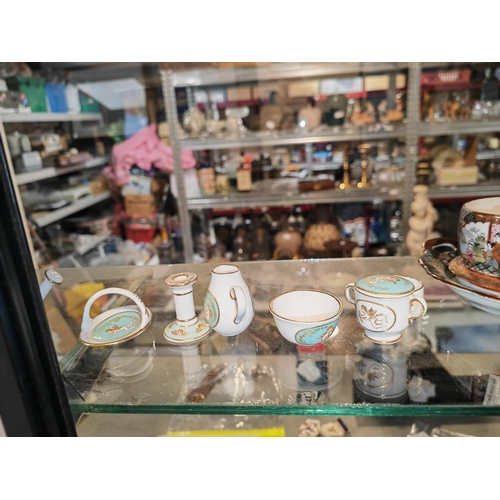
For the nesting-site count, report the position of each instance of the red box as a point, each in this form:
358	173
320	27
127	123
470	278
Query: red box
445	77
140	230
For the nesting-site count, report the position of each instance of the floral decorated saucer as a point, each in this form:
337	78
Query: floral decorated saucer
438	253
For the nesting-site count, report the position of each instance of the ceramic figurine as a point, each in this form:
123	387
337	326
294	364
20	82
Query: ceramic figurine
228	306
194	121
309	117
421	222
385	305
187	327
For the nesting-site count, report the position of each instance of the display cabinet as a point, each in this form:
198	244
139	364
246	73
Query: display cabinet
441	367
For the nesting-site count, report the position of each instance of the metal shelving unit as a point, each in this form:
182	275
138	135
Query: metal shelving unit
49	172
48	117
432	129
257	199
269	72
411	129
47	218
264	139
93	243
481	189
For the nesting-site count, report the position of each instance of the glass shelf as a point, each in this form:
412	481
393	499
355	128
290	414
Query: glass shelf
454	349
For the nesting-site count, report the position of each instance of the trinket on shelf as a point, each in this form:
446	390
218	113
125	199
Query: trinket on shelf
187	327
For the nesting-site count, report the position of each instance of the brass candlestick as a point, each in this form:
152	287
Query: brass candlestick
346	181
364	148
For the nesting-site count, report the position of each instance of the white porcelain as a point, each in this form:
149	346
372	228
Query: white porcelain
481	300
476	288
415	328
51	278
384	314
306	317
228	305
115	325
187	328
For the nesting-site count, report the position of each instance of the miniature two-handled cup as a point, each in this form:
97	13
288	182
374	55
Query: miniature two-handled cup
228	304
385	305
306	317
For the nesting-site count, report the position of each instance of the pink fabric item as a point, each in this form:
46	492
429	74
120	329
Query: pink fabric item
144	149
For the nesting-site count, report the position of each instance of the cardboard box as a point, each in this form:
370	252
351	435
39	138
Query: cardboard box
98	185
303	89
263	91
381	82
140	204
239	94
456	176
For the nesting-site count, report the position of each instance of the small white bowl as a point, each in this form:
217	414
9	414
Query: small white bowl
306	317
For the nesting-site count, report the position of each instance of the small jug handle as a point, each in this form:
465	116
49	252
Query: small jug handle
87	320
241	303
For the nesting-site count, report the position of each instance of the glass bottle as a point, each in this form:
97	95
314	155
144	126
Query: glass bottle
206	175
244	174
489	87
221	178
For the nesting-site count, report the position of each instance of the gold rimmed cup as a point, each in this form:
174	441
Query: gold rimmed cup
306	317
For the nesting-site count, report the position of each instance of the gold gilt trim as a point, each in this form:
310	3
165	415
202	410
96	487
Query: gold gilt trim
173	282
228	265
341	307
124	339
411	318
182	294
398	294
380	305
185	320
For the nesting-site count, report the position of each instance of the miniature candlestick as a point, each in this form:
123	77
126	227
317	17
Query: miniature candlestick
346	182
364	148
187	328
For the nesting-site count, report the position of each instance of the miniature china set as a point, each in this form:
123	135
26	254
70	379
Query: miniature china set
385	305
228	304
306	317
187	327
115	325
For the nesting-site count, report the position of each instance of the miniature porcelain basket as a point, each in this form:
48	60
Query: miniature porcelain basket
115	325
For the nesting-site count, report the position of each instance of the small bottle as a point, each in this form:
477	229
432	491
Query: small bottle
206	175
221	178
489	87
244	174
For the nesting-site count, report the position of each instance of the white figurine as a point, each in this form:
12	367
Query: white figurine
421	222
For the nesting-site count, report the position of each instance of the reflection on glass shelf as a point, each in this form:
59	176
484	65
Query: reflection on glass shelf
259	372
